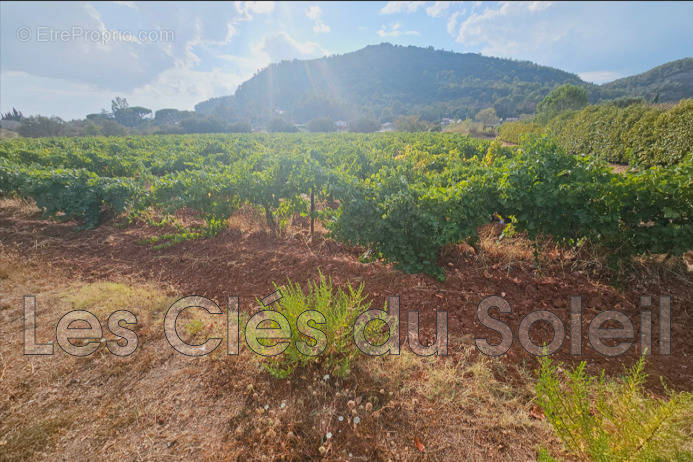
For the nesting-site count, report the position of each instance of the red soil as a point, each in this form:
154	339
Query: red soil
246	265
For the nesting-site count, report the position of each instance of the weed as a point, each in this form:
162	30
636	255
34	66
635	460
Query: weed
340	309
601	420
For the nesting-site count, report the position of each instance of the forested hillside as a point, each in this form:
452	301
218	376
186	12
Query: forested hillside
669	82
387	81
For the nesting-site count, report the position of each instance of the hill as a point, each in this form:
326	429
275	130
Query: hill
669	82
385	81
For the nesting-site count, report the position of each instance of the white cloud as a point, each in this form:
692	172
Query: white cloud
320	27
315	13
515	29
538	6
282	46
437	8
247	9
399	7
600	76
177	87
452	22
395	31
127	4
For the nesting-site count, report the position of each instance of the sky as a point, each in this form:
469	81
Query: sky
72	58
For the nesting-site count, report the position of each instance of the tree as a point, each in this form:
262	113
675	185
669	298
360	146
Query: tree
412	123
103	115
322	124
240	127
201	124
487	117
364	125
131	116
110	127
38	126
14	114
119	104
278	125
169	116
564	98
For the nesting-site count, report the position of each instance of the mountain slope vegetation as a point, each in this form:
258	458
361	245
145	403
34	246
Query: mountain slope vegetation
669	82
387	81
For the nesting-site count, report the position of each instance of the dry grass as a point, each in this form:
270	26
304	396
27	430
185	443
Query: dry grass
157	404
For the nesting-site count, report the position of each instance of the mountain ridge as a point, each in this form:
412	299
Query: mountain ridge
385	81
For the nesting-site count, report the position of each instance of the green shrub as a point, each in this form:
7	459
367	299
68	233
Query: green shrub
511	132
340	309
673	132
636	133
610	421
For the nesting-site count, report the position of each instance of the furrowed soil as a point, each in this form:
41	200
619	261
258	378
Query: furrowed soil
159	405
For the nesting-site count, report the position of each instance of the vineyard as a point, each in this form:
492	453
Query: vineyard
630	133
403	196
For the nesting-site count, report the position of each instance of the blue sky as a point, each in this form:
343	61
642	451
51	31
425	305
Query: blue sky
70	59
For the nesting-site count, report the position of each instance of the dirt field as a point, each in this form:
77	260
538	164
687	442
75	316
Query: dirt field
158	405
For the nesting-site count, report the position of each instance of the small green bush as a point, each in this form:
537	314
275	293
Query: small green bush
340	309
610	421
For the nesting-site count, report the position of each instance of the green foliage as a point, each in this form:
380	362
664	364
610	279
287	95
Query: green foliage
511	132
278	125
364	125
637	133
389	81
339	307
322	124
487	116
68	193
668	82
412	123
402	195
37	126
549	192
611	421
564	98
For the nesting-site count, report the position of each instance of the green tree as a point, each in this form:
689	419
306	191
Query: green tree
131	116
364	125
278	125
322	124
487	116
37	126
112	128
412	123
564	98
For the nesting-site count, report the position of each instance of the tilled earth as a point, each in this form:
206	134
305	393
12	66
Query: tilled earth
248	263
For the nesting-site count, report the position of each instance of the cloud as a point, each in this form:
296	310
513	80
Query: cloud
538	6
315	13
399	7
600	76
515	29
452	22
78	75
131	5
395	31
247	9
282	46
437	8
